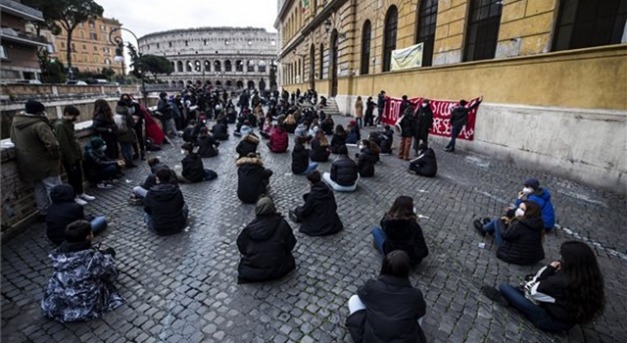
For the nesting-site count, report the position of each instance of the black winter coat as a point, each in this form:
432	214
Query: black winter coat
193	168
393	307
344	171
207	146
319	213
318	152
459	115
164	203
247	145
407	126
337	141
366	162
266	246
61	212
252	179
300	159
406	235
220	131
423	122
151	180
522	241
425	164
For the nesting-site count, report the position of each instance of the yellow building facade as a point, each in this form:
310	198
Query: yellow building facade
528	58
91	49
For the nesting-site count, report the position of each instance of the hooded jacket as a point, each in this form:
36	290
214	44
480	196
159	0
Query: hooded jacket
406	235
423	121
252	179
319	213
459	115
337	141
279	140
151	180
344	171
300	158
407	125
266	246
425	164
247	145
319	153
62	212
366	162
164	203
542	197
220	131
207	146
81	287
36	147
522	242
70	149
193	168
95	160
393	307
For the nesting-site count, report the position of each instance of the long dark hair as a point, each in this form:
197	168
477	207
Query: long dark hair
396	263
585	281
532	209
101	107
403	208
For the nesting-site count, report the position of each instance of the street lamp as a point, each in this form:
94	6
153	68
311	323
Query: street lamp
119	56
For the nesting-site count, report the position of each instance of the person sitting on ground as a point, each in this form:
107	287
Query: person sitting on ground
265	245
193	168
344	173
339	139
252	178
302	130
319	148
99	169
244	129
81	287
192	130
388	309
64	210
385	139
327	124
400	231
300	158
247	145
374	147
319	213
151	180
541	196
365	159
560	295
289	124
518	237
220	130
354	135
279	140
267	128
207	144
425	164
165	209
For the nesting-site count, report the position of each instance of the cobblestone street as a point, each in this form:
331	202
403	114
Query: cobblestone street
183	288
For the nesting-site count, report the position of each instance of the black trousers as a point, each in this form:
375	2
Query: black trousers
75	176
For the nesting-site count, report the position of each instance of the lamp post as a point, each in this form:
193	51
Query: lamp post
118	42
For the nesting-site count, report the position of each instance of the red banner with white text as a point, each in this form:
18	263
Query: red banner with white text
441	115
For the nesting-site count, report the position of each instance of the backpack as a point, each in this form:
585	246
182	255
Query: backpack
120	122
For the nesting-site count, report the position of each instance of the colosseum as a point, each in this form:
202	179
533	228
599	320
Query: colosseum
223	57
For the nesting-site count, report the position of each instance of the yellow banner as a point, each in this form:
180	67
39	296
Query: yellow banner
410	57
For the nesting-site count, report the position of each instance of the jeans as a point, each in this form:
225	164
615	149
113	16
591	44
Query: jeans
379	237
495	227
98	224
312	166
127	152
140	191
454	133
42	192
326	177
534	313
360	122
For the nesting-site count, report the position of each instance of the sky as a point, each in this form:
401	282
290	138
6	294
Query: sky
148	16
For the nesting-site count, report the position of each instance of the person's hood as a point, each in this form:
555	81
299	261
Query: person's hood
263	227
299	147
533	224
62	193
22	121
164	192
321	191
542	193
252	138
264	206
70	257
158	166
248	160
192	157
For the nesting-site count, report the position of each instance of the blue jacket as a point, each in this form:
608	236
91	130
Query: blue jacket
542	197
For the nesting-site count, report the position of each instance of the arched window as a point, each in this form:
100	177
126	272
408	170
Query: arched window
251	66
227	65
207	66
239	66
389	36
197	66
427	15
366	35
261	67
483	29
188	66
217	66
321	61
179	66
588	23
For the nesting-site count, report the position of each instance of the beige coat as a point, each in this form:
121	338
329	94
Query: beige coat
359	109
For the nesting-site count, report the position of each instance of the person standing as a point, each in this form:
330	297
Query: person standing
422	125
104	126
369	116
380	106
359	112
126	133
459	119
407	132
71	155
165	113
37	152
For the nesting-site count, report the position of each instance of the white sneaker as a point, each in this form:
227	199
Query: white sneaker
87	197
80	201
104	185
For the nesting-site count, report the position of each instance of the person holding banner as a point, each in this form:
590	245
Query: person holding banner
380	106
423	122
459	118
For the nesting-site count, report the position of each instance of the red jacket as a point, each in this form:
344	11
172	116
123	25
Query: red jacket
279	140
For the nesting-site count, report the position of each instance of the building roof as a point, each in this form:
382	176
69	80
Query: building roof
206	28
17	9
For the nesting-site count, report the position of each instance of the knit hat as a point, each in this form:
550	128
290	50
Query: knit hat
264	206
533	183
97	143
34	107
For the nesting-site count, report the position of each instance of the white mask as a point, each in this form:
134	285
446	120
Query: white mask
424	105
527	190
361	146
519	212
415	212
183	152
103	148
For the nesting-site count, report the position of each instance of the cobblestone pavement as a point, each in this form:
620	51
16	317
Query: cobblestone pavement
183	288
